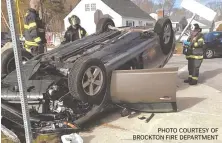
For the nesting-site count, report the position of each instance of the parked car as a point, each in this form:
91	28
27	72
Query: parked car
213	44
71	83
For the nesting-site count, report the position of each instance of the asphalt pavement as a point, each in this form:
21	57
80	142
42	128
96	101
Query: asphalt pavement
199	109
210	70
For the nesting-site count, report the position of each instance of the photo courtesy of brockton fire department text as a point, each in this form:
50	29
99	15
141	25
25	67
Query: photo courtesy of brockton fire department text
111	71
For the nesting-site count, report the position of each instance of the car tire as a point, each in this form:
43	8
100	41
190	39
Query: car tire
164	29
208	54
102	25
8	62
82	84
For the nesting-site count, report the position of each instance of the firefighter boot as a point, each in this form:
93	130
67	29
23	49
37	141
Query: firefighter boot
193	82
188	80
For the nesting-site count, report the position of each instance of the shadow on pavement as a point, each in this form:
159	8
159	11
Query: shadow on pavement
209	74
202	79
187	102
104	120
89	126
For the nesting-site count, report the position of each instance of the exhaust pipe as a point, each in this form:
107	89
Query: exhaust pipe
8	95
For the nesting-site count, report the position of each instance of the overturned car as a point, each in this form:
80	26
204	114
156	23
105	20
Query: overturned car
69	85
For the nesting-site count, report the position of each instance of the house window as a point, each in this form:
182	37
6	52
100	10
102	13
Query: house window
87	8
130	23
140	23
93	7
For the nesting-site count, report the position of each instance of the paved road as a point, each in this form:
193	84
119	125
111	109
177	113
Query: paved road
198	107
210	71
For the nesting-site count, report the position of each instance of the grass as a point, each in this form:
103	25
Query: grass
179	48
44	138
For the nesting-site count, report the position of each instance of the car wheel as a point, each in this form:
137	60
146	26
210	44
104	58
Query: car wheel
103	25
163	28
8	60
87	80
208	54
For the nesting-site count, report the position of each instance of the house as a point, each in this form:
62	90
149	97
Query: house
154	16
122	12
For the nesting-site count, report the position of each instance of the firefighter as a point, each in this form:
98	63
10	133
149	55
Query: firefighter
34	29
74	31
194	54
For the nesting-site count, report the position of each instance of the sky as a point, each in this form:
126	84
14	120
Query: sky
178	2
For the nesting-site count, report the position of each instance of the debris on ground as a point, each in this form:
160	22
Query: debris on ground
133	114
148	119
142	118
71	138
125	112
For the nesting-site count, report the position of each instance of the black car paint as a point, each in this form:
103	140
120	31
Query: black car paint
213	41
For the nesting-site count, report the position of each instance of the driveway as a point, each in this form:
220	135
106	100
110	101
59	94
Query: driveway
199	110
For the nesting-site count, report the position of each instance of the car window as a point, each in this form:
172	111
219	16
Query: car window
211	36
220	37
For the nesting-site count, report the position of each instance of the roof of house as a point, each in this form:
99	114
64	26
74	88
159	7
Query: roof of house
127	8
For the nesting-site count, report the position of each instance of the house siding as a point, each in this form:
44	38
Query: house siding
88	17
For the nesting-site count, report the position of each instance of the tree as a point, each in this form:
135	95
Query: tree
54	12
219	28
167	5
217	7
145	5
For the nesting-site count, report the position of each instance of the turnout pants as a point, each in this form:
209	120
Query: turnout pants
193	68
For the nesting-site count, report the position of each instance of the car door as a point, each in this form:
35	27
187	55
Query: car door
218	44
147	90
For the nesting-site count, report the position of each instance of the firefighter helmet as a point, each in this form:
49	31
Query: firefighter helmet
74	20
195	27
